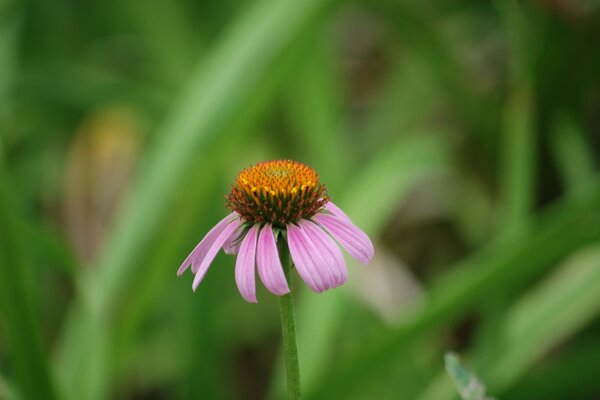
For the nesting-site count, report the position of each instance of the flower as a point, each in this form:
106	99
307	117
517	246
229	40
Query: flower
285	198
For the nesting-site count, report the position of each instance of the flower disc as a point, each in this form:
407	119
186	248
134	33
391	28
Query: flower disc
277	192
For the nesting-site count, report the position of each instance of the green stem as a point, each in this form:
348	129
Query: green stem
288	327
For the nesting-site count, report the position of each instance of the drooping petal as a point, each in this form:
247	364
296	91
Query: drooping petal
300	251
196	256
310	259
354	240
269	264
232	245
213	249
335	210
244	266
328	249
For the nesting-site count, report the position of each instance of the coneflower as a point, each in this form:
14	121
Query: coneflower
279	209
285	199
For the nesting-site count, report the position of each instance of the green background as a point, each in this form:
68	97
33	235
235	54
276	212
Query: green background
461	135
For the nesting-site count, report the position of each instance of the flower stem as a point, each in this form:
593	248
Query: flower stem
288	327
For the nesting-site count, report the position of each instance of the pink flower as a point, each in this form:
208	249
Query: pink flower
281	200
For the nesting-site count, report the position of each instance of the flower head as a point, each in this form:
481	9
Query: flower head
277	193
281	197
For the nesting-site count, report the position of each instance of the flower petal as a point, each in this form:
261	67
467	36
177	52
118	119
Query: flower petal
269	264
244	266
335	210
232	245
301	252
326	247
201	248
213	249
311	259
355	241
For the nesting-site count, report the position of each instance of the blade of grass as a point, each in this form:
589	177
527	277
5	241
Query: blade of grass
16	301
572	154
49	247
193	214
518	158
190	219
541	319
572	373
26	350
420	155
469	386
417	27
217	90
80	86
409	96
556	309
561	229
315	110
170	44
10	21
518	161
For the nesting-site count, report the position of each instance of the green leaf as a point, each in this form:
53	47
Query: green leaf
572	153
467	383
562	304
518	160
518	133
26	350
569	373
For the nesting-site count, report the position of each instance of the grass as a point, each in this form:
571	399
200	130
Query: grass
460	136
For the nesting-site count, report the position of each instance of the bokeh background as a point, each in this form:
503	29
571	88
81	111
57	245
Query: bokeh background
462	135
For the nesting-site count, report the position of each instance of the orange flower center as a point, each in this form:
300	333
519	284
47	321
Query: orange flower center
277	192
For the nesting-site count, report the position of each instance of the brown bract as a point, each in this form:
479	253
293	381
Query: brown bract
277	192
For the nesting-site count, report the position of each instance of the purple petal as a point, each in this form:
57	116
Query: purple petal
214	248
328	249
355	241
335	210
201	248
244	266
309	259
232	245
269	264
300	251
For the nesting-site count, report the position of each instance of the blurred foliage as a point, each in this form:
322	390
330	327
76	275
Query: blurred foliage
468	385
463	136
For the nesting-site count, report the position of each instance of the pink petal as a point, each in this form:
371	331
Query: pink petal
335	210
244	266
269	264
300	251
201	248
232	245
355	241
333	257
309	260
214	248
